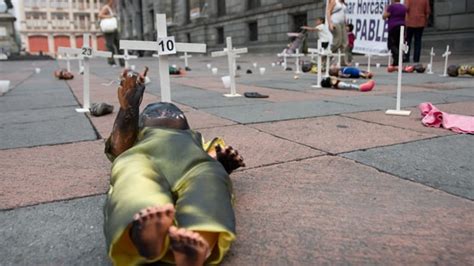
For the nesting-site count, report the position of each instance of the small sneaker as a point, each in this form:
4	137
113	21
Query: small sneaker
100	109
391	69
409	69
368	86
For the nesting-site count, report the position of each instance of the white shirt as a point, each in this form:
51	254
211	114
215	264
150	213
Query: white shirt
323	33
338	14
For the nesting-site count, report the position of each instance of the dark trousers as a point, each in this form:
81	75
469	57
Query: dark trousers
417	33
393	43
112	43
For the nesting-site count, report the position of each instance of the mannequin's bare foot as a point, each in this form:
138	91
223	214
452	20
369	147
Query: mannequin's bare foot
149	229
188	247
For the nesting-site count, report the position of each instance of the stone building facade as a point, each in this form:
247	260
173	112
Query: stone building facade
262	25
47	24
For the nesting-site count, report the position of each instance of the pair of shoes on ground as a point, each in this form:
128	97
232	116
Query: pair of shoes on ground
368	86
254	95
100	109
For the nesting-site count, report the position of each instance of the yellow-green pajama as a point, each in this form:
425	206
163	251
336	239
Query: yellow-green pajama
168	166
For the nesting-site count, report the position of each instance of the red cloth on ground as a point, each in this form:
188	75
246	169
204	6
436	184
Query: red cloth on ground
433	117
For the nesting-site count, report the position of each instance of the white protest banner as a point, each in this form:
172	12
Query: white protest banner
369	27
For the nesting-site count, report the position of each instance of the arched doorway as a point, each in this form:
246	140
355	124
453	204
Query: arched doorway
38	44
61	41
80	41
101	43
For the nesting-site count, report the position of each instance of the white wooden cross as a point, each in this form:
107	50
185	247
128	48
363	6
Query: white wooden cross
328	54
231	54
446	55
389	63
125	56
297	55
319	52
369	63
68	57
430	65
339	55
401	48
165	45
85	53
284	55
185	57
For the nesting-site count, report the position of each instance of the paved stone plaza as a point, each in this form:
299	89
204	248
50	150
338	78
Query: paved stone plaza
330	179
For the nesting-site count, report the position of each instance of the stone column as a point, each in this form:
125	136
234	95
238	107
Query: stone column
71	16
92	12
72	40
51	43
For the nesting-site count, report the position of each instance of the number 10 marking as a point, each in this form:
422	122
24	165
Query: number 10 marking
166	46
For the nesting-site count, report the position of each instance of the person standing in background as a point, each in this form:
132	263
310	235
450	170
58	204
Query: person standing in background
350	44
336	20
395	16
111	38
418	13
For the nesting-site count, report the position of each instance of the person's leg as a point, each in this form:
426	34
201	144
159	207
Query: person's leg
324	45
191	248
394	43
138	212
344	42
336	38
109	43
349	54
367	86
204	206
117	48
410	32
417	52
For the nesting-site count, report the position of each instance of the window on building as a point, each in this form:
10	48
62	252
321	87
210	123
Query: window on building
169	10
252	4
220	35
188	37
299	20
151	15
431	18
253	31
221	8
196	8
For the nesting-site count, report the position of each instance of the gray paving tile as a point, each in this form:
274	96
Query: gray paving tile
462	92
370	102
61	233
284	81
61	130
415	98
446	163
39	115
199	98
36	101
282	111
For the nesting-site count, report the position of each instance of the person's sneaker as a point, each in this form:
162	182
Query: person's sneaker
100	109
114	65
391	69
409	69
368	86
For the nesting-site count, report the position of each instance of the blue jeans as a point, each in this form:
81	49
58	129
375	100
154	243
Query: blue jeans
417	33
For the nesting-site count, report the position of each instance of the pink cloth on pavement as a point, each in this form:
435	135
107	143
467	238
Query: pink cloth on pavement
433	117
